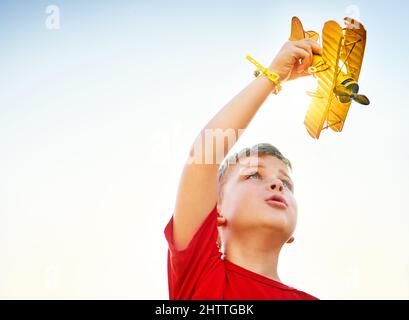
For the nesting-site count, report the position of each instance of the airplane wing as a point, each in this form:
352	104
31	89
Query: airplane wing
324	100
352	53
355	41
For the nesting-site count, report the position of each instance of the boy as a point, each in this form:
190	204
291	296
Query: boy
249	199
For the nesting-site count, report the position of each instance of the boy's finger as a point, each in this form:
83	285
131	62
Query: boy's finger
300	53
311	46
306	59
316	48
303	73
305	46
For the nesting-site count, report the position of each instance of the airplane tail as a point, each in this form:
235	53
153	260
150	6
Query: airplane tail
298	33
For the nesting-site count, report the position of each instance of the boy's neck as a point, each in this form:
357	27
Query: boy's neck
248	255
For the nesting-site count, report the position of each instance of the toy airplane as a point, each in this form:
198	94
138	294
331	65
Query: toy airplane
337	71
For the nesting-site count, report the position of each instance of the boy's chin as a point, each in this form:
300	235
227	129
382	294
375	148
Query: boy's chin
279	223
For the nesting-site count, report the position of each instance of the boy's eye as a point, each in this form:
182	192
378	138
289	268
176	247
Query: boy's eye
288	185
253	175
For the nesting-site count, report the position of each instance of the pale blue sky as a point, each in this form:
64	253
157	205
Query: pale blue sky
96	119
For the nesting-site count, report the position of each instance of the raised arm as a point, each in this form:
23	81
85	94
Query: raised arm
197	192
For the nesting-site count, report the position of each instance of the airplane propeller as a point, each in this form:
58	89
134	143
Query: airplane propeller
345	92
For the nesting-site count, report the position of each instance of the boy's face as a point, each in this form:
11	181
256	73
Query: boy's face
250	182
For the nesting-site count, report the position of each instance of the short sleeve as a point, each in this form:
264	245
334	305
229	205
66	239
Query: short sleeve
191	271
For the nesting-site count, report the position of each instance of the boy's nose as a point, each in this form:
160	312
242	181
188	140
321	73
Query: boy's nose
277	185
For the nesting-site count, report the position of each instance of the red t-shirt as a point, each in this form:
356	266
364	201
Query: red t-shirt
199	272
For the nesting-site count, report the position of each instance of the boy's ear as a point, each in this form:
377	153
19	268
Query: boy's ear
291	240
221	221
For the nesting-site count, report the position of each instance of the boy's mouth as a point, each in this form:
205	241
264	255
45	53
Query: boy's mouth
277	201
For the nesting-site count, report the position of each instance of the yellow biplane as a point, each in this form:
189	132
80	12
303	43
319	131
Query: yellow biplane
337	71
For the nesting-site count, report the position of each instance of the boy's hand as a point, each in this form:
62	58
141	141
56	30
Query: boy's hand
294	58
